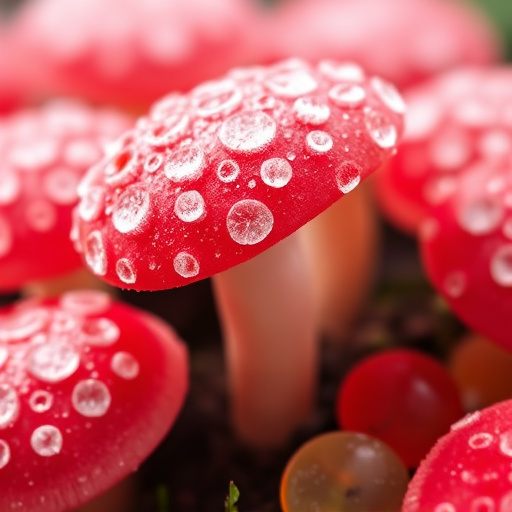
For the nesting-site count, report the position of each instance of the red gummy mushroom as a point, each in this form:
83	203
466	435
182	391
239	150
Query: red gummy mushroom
88	388
131	52
210	180
466	245
469	468
11	93
452	122
44	153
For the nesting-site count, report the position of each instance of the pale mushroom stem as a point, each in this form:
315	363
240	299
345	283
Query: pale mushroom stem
342	246
266	310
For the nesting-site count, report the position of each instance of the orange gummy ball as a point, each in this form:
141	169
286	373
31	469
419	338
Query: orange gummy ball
344	472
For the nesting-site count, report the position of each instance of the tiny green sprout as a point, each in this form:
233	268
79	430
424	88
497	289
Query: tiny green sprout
232	498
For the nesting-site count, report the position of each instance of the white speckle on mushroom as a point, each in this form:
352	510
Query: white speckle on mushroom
189	206
388	94
348	176
5	453
276	172
185	163
483	504
91	398
92	203
186	265
10	187
9	406
215	98
501	265
6	237
291	84
131	209
125	365
247	132
4	355
480	216
100	332
506	443
310	110
341	72
125	271
40	400
121	169
60	186
455	284
249	222
153	162
480	440
347	95
228	171
53	361
319	142
41	215
380	128
95	254
445	507
46	441
85	302
169	130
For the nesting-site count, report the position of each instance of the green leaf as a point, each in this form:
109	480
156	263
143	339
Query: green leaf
232	498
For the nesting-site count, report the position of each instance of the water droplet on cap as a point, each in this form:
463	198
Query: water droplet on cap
53	361
100	332
292	83
125	365
480	440
6	237
95	254
348	176
347	95
91	398
85	302
506	443
276	172
125	271
388	94
189	206
501	265
153	162
247	131
41	215
10	187
131	209
40	401
9	406
228	171
168	130
46	440
215	98
60	186
186	265
380	129
92	204
445	507
249	222
341	71
311	111
480	216
185	163
5	453
121	169
319	142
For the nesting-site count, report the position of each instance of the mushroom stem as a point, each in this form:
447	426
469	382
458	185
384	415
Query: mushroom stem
342	246
266	310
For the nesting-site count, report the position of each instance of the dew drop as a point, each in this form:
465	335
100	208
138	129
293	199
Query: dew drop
186	265
347	95
249	222
185	163
4	354
276	172
495	144
91	398
41	215
6	237
9	406
5	453
168	130
60	186
189	206
445	507
215	98
92	203
455	284
100	332
251	184
81	153
247	131
506	443
125	271
388	94
23	324
348	176
10	187
121	169
46	441
482	504
319	141
380	129
228	171
450	151
311	111
53	361
95	254
480	216
131	210
501	265
85	302
125	365
342	72
467	420
480	440
153	162
40	401
291	84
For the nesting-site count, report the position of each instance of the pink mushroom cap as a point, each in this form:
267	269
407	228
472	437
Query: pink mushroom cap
44	153
469	468
403	41
466	245
12	94
452	122
131	52
88	388
212	178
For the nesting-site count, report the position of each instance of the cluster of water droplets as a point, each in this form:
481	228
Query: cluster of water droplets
196	148
44	346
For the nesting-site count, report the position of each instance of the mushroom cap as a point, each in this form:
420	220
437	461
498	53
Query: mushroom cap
44	153
131	52
404	42
11	91
210	179
452	121
466	244
469	468
88	389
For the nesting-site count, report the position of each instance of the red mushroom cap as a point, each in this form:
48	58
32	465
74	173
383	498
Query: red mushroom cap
88	388
404	42
469	468
131	51
213	178
43	155
466	245
11	93
452	122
